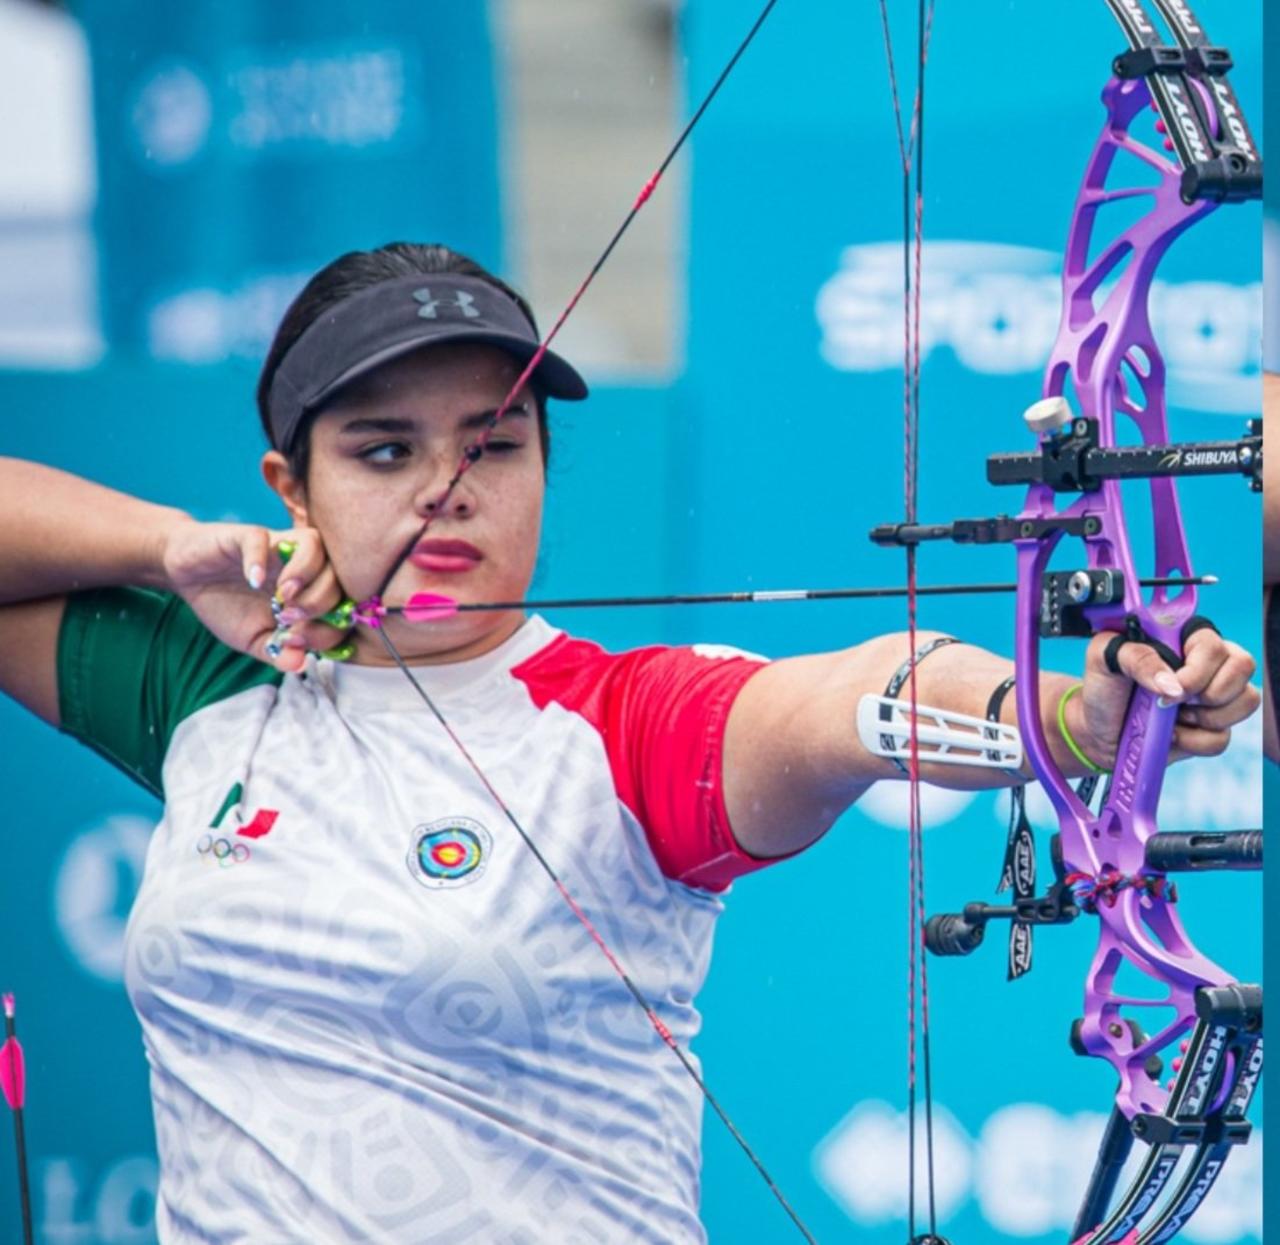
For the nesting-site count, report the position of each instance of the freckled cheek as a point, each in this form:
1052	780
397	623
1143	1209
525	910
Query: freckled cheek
518	526
354	525
360	502
526	512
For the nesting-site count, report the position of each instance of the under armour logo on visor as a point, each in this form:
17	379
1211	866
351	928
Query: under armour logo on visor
461	303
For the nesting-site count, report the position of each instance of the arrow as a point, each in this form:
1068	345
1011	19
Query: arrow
13	1081
432	606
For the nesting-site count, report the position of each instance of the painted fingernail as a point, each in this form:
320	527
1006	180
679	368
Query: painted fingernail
287	589
255	577
291	615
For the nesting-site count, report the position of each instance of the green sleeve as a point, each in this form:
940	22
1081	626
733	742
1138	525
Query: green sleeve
132	664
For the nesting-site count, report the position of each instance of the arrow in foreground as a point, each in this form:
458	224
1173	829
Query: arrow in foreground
13	1081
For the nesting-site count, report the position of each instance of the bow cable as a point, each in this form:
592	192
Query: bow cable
911	152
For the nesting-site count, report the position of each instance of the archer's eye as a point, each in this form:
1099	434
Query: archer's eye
384	453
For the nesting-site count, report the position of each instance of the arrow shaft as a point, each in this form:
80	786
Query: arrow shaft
766	596
24	1177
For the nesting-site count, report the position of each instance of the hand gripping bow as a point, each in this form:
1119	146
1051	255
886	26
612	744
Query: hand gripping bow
1113	863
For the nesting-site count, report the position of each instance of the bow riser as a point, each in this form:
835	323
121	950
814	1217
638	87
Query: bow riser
1100	350
1106	351
1106	347
1143	933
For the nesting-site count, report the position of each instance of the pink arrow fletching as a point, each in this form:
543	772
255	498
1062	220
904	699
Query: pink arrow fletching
13	1074
429	607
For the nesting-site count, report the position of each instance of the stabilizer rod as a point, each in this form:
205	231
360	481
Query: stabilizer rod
1203	850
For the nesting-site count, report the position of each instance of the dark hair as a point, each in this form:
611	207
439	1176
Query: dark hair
347	275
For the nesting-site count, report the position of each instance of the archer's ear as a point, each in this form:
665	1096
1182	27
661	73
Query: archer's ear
281	480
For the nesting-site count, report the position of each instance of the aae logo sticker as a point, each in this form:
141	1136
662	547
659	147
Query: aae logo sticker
450	852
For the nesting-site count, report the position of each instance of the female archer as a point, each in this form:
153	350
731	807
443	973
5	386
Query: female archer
366	1019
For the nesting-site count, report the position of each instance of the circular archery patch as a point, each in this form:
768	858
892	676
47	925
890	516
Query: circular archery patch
449	852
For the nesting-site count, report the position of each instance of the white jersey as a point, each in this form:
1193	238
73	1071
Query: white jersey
368	1013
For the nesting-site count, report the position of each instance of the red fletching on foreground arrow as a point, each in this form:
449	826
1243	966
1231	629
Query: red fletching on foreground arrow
429	607
13	1066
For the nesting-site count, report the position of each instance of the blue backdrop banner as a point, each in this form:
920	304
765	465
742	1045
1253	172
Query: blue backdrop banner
243	145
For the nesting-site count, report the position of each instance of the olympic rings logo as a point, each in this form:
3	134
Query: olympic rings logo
223	851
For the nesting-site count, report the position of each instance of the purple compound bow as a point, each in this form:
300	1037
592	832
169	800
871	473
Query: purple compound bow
1113	863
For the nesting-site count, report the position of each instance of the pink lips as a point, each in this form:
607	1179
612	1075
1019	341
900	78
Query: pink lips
447	557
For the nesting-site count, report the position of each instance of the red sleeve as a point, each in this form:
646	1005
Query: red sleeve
661	713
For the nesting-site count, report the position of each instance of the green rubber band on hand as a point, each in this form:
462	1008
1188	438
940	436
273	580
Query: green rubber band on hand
1076	750
286	549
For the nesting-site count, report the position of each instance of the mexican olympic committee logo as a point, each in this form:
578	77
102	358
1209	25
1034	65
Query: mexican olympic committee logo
450	852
